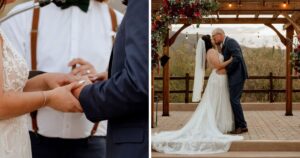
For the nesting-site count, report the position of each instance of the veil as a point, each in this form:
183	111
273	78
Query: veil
199	71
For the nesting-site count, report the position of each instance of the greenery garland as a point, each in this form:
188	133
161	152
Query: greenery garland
171	12
295	56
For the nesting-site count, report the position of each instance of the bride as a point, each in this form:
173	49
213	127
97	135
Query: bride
14	103
205	132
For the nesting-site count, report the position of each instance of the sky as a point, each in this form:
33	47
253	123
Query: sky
249	35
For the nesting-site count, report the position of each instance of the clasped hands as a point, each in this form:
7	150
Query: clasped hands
63	90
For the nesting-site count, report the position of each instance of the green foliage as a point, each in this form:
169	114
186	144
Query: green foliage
171	12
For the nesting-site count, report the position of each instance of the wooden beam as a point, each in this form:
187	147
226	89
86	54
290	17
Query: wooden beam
152	99
275	16
166	81
166	70
289	47
237	15
256	1
254	5
252	12
248	7
295	25
256	15
236	21
281	37
258	7
173	38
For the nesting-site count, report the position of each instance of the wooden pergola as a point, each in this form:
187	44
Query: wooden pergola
267	12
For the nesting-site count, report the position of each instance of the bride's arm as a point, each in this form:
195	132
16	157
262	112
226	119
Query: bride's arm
213	58
14	104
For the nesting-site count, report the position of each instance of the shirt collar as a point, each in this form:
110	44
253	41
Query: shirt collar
222	44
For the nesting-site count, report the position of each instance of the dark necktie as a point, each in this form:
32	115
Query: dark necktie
82	4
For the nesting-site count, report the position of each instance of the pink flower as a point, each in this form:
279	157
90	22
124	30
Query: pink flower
197	14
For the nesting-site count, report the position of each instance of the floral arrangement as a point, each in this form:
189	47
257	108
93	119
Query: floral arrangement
295	56
171	12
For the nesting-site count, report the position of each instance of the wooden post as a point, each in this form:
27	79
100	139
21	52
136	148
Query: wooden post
187	87
271	96
166	81
152	99
166	71
289	47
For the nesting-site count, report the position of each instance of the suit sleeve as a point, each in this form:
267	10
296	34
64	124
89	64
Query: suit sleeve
235	50
126	92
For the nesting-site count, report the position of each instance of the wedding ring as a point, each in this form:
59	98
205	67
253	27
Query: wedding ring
81	81
88	71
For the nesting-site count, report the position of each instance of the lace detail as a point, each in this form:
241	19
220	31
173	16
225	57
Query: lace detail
14	136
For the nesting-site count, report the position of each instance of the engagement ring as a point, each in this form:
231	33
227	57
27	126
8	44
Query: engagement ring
81	81
88	71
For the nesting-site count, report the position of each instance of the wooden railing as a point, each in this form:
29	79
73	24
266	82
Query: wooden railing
271	91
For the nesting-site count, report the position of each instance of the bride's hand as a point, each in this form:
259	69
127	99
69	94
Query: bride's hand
221	72
85	81
62	99
230	59
99	77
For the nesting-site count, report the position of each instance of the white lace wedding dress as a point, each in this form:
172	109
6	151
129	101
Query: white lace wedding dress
14	136
203	134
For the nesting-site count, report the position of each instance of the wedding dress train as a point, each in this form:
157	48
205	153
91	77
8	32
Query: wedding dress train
203	134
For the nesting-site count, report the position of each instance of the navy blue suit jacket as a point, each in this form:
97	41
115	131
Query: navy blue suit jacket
123	98
237	70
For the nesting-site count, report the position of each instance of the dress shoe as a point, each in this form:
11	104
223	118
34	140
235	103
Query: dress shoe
239	131
244	129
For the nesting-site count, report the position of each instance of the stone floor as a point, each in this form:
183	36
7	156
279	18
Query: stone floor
271	135
262	125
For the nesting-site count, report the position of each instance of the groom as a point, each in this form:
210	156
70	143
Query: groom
237	74
123	98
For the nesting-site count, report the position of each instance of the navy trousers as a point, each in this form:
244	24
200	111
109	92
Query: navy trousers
44	147
235	100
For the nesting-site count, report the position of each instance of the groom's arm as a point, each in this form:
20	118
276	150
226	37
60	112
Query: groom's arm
126	92
235	50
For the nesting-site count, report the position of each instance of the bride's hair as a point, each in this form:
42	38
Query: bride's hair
2	4
125	2
207	41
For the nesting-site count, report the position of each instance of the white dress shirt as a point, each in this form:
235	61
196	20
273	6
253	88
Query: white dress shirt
222	44
64	35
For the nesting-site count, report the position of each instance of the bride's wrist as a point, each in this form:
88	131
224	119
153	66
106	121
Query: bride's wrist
48	95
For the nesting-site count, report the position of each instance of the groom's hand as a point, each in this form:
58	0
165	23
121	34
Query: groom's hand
82	67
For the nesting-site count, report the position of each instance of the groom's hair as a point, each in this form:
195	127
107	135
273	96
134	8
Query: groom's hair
218	31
